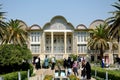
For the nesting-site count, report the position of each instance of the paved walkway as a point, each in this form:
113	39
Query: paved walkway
40	74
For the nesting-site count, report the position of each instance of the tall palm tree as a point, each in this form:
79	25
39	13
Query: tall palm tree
114	22
15	34
2	24
1	13
99	39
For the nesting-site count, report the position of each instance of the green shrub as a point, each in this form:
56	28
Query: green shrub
14	58
73	77
14	76
48	77
73	56
101	72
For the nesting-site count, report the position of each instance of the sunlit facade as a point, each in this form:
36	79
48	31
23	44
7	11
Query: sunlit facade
59	38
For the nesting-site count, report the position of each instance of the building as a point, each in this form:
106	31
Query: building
59	38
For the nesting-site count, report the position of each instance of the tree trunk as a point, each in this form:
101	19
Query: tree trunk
101	54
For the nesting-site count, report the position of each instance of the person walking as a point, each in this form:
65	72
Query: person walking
88	71
36	63
65	63
103	63
39	64
46	62
83	71
69	63
75	68
53	63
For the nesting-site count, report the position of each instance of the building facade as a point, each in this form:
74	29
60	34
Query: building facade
59	38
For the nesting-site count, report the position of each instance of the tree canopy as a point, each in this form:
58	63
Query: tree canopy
14	54
99	39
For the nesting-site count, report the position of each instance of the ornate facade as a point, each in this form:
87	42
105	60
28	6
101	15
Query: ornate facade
59	38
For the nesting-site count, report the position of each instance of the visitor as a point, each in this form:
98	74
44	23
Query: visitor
88	71
75	68
69	63
83	71
37	63
69	71
53	61
72	61
103	63
79	61
46	62
65	63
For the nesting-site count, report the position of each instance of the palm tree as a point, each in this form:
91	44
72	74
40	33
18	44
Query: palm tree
2	24
1	13
15	34
114	22
99	39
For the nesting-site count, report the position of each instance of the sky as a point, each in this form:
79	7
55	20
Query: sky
42	11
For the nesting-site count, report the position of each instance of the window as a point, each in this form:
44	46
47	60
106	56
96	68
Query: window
35	48
82	48
35	36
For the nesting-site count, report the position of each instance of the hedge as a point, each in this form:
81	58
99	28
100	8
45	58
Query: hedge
14	76
71	77
101	72
48	77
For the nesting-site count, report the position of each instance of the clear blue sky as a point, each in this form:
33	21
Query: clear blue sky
42	11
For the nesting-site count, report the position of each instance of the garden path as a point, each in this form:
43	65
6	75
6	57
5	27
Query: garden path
42	72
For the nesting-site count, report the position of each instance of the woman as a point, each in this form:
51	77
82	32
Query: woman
46	62
83	72
75	68
88	71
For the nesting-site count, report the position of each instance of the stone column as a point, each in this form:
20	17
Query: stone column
43	42
77	45
110	54
52	42
65	41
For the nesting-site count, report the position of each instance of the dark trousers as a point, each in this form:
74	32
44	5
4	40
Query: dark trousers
53	65
88	74
75	71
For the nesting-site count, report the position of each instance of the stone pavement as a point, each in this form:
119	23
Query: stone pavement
40	74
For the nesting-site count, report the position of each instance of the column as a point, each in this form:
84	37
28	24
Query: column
76	43
111	59
65	41
52	42
43	41
44	36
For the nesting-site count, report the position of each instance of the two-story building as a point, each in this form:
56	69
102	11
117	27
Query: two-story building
59	38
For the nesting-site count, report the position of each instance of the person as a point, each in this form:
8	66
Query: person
79	62
46	62
65	63
69	63
36	63
75	68
53	63
103	63
79	59
83	71
39	65
72	61
88	71
69	71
